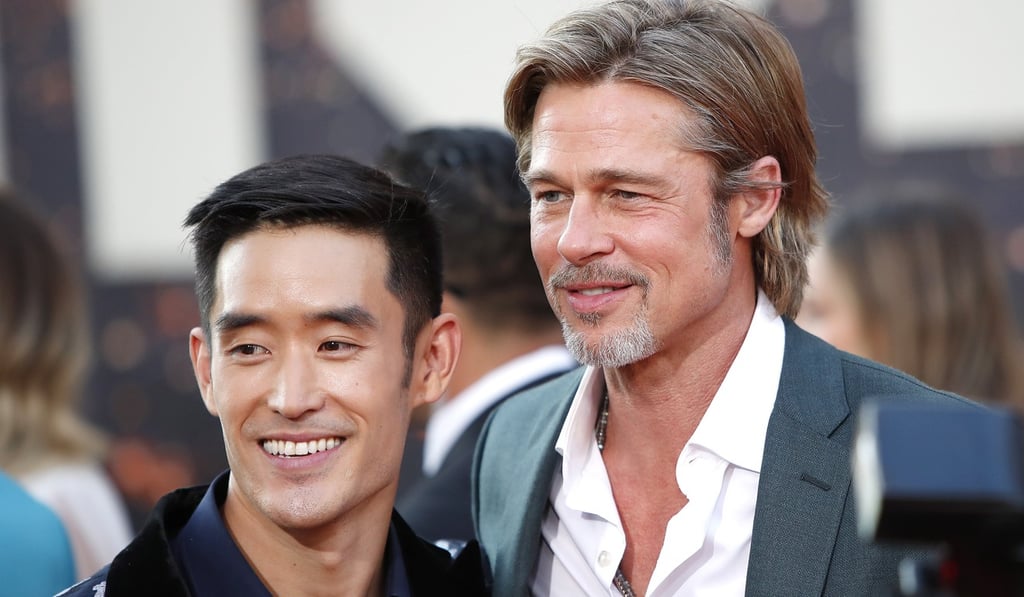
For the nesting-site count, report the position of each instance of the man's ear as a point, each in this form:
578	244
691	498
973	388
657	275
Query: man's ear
199	351
438	360
757	206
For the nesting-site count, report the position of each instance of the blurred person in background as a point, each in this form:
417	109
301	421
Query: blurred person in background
35	555
44	352
511	338
909	276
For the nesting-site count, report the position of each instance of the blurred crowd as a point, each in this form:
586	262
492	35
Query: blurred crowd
905	276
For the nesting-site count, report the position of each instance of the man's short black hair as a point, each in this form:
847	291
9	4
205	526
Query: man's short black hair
331	191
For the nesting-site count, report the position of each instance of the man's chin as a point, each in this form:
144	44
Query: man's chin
299	517
607	356
610	350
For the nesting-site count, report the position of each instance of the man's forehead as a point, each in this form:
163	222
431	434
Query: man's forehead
308	271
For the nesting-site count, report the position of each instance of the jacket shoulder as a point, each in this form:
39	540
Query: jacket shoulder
531	418
146	565
866	379
541	400
813	369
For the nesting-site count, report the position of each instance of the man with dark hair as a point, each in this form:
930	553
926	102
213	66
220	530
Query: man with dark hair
511	339
319	288
705	448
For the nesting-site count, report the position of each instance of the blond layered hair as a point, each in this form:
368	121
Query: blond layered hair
44	348
739	79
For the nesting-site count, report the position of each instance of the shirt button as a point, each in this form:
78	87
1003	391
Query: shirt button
604	559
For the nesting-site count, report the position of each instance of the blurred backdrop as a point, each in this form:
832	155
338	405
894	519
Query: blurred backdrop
117	115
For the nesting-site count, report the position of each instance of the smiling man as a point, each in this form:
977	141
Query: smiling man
319	288
704	450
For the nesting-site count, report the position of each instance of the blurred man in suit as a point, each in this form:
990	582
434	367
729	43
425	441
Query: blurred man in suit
511	339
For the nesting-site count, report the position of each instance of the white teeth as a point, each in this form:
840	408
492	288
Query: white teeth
596	291
278	447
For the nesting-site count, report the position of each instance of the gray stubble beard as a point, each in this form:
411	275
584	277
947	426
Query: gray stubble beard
616	349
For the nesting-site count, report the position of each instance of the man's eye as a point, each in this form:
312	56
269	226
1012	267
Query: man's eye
548	196
335	346
248	349
626	194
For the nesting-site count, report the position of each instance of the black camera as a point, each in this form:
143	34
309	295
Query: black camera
947	476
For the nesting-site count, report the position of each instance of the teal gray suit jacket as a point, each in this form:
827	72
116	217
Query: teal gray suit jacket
804	538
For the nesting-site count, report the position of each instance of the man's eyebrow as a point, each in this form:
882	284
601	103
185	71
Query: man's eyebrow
620	175
533	177
231	321
601	174
354	316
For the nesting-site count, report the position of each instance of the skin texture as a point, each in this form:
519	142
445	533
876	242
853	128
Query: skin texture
623	235
307	344
829	309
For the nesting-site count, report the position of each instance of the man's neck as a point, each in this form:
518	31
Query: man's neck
655	407
681	379
346	555
485	350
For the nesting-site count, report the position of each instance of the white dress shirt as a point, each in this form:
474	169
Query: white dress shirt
707	543
452	416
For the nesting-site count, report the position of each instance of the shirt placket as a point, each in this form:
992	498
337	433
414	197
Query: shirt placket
700	476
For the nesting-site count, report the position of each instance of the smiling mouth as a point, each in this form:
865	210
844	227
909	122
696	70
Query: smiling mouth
596	291
291	449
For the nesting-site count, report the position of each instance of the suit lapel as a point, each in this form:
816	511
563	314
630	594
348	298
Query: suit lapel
805	474
536	484
514	498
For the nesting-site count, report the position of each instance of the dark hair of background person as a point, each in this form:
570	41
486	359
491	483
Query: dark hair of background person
930	288
482	206
511	337
742	85
44	348
332	191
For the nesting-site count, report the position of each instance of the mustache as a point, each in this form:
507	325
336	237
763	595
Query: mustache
569	274
277	428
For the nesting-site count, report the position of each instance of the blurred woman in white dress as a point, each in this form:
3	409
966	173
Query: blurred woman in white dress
44	353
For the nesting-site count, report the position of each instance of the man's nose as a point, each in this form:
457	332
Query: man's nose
296	391
584	235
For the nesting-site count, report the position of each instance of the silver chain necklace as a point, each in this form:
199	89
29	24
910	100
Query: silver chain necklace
600	434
